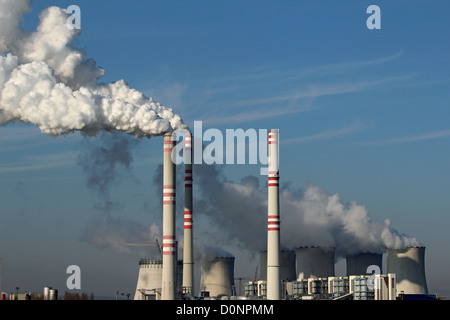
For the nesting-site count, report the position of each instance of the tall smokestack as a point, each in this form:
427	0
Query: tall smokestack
273	221
169	198
188	251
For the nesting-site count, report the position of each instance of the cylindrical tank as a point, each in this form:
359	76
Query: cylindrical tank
46	294
315	262
408	264
287	265
53	294
217	276
149	279
357	264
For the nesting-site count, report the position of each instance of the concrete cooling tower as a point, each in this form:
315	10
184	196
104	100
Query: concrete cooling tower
149	279
409	266
149	283
357	264
287	265
217	276
315	262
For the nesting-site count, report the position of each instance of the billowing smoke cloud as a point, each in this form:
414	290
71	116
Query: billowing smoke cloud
45	81
309	216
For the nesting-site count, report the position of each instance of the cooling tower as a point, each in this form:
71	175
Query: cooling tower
149	279
287	265
315	262
273	220
357	264
409	266
188	249
168	247
217	276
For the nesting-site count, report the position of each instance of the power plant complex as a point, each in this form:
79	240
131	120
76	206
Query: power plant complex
302	273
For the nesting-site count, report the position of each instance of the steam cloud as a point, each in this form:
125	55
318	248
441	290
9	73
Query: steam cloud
44	81
309	216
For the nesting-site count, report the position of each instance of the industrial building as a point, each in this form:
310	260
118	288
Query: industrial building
302	273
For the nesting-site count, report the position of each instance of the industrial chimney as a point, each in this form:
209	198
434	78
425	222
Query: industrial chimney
169	242
357	264
217	276
315	262
409	266
273	223
188	251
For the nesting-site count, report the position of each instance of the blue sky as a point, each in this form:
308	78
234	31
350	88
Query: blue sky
362	113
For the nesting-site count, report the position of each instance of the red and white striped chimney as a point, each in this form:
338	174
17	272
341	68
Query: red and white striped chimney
273	221
188	249
169	242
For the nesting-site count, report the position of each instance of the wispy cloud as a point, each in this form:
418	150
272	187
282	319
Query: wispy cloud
321	90
254	115
276	72
276	90
347	66
41	162
413	138
357	126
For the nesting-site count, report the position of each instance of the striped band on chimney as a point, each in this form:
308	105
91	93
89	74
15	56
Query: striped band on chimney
169	194
168	245
187	219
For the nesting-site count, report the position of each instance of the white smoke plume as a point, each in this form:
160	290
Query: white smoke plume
45	81
309	216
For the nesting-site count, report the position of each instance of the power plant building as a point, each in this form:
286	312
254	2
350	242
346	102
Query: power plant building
306	272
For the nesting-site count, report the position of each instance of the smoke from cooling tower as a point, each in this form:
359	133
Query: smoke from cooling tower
309	216
44	81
